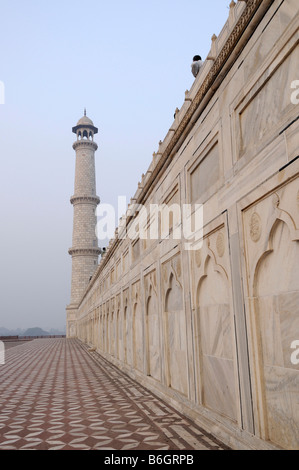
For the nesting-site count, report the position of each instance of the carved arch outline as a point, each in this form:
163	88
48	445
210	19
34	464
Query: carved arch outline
279	215
210	255
171	278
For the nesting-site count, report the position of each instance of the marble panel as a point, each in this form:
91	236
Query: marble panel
153	338
270	329
136	247
270	103
216	339
288	308
218	394
137	337
177	351
215	324
205	175
277	288
279	269
282	395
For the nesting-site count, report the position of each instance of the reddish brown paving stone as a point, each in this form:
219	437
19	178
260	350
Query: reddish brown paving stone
54	394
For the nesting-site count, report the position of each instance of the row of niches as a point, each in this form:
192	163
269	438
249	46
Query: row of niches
154	304
146	327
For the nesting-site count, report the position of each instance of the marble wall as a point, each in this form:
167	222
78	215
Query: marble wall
210	329
272	250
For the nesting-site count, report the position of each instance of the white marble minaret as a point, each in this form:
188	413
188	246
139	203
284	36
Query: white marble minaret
85	250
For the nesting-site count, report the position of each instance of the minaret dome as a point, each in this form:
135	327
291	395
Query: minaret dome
85	129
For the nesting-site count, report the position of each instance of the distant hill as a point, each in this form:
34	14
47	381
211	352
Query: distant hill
30	332
35	332
7	332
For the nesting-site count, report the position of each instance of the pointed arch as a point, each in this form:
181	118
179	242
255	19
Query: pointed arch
174	295
112	333
214	340
137	336
118	333
175	336
125	333
279	215
152	328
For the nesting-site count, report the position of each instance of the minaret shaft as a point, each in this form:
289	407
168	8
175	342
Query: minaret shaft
85	250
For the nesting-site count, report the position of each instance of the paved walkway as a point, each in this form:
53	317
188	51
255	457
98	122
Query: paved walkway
12	344
55	395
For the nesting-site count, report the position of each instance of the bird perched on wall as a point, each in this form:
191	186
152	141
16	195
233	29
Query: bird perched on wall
196	65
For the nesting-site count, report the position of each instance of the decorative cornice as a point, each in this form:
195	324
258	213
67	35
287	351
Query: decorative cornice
84	251
85	143
94	200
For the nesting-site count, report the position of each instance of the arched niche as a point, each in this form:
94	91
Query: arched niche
153	336
137	337
107	333
72	330
118	333
276	293
101	330
176	341
174	296
125	333
112	333
215	340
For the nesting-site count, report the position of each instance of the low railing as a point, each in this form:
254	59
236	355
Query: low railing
9	338
22	338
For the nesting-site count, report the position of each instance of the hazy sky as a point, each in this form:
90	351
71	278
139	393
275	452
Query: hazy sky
127	62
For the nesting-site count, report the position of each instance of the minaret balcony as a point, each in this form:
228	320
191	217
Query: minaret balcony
94	200
84	251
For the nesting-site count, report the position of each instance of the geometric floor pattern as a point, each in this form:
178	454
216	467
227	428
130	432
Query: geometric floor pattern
57	395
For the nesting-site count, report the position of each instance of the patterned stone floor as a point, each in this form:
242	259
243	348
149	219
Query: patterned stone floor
55	395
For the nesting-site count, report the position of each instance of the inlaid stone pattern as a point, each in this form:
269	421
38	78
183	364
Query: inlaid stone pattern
56	395
255	227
